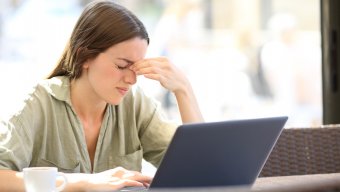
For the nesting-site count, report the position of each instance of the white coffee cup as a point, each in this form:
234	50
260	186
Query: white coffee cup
43	179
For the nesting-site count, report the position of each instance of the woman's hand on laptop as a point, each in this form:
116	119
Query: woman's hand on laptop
112	179
121	175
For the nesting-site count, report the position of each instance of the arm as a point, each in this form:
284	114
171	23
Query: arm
171	78
112	179
188	105
11	181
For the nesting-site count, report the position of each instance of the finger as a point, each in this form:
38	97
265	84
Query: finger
159	59
155	77
137	176
147	63
148	70
127	183
140	64
144	179
147	185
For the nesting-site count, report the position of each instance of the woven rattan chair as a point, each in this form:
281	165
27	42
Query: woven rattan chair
301	151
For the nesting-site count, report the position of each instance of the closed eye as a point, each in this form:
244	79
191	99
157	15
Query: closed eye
121	68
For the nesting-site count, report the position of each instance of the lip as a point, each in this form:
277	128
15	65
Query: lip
122	90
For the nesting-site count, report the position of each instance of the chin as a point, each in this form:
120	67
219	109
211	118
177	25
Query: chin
115	101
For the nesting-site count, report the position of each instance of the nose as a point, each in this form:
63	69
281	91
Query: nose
130	77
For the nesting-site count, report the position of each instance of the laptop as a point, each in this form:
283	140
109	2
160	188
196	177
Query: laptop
215	154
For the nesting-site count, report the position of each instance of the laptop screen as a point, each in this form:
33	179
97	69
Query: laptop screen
222	153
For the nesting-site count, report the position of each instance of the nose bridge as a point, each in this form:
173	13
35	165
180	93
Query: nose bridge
130	77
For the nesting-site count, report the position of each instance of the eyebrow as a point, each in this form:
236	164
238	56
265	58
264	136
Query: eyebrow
127	60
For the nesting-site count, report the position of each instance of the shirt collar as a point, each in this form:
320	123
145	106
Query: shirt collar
59	88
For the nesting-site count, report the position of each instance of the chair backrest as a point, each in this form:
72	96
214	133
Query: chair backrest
301	151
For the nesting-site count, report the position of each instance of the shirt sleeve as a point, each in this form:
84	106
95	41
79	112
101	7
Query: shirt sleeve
155	131
16	134
15	145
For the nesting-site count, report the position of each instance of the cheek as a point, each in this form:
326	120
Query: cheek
102	73
107	72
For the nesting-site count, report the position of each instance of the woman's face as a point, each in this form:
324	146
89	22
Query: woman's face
109	75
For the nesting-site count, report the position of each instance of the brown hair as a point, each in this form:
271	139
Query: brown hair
101	25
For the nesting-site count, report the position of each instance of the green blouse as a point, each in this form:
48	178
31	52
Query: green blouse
47	132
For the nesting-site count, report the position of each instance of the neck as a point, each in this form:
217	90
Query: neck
87	104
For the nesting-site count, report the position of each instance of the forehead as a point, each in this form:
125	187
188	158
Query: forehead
132	49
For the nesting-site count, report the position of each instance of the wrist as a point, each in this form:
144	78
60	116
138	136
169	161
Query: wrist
77	181
183	91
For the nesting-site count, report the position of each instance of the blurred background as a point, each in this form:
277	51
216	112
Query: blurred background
244	58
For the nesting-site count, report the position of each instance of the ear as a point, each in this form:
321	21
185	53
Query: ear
86	65
80	50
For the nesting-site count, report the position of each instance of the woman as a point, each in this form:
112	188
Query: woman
86	119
